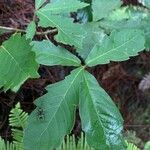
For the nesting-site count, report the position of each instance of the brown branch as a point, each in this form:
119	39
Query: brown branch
21	30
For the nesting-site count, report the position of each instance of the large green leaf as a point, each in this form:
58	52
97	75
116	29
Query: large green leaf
102	8
54	116
49	54
119	46
54	15
101	120
94	33
17	62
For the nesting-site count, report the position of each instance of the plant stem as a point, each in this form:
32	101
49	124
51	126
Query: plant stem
21	30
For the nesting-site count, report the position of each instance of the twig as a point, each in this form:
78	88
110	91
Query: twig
21	30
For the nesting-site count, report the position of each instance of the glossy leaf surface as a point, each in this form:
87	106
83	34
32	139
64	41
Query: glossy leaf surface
101	120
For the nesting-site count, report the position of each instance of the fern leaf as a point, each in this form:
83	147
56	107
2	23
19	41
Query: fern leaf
2	144
18	117
17	62
18	120
70	143
131	146
6	145
16	114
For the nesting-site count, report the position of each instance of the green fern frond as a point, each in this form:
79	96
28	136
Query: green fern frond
18	138
18	120
7	145
131	146
18	117
2	143
70	143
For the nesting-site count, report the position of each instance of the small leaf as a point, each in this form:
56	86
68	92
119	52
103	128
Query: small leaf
102	8
30	31
101	120
17	62
54	116
49	54
119	46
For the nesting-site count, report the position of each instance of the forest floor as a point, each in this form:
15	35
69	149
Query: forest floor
121	80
